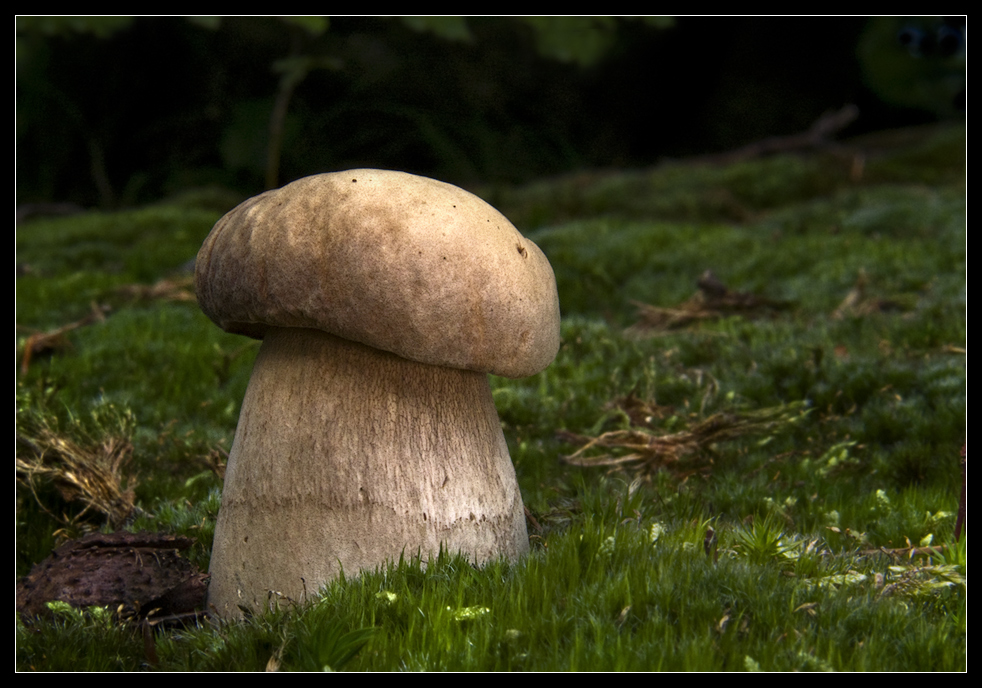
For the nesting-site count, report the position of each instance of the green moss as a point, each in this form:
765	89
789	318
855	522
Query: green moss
618	577
141	245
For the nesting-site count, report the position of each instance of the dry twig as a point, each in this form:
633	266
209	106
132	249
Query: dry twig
174	289
713	300
647	450
53	340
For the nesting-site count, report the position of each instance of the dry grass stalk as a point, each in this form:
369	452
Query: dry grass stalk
857	303
640	411
91	475
648	451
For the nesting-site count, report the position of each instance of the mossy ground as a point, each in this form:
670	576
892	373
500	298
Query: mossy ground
810	563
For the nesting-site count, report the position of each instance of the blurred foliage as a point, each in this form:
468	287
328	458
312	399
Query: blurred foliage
917	62
254	128
100	26
117	111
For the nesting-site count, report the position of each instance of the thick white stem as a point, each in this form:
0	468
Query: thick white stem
348	457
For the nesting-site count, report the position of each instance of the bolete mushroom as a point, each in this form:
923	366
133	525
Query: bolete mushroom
368	430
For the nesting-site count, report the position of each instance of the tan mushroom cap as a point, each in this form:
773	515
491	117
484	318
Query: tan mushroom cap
398	262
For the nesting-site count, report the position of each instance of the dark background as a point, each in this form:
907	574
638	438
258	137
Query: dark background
112	115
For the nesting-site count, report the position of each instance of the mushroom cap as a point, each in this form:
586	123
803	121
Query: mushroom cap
401	263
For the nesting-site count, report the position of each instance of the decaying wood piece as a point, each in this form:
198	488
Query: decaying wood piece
138	575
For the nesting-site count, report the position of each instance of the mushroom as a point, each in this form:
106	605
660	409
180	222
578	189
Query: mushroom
368	430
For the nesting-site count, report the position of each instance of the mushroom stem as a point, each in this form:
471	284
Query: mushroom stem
346	456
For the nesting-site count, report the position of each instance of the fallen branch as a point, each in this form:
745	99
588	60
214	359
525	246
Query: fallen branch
819	135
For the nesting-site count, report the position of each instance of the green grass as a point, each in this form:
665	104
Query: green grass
620	576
